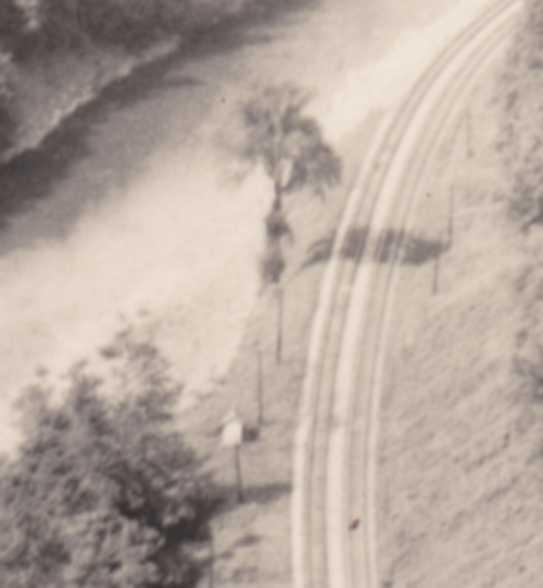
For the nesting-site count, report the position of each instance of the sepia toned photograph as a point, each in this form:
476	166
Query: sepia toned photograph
271	293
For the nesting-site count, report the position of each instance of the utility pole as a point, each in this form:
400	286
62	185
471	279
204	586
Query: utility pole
239	477
211	583
469	134
280	310
232	437
452	196
259	387
435	282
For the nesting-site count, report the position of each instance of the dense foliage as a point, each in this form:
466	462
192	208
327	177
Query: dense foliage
12	25
104	493
33	26
132	24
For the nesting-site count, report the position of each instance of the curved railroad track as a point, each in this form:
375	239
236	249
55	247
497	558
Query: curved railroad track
338	422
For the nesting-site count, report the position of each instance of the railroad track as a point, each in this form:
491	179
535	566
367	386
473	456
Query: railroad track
338	424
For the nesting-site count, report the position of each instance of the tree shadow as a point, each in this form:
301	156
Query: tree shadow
259	494
319	251
266	493
354	243
406	248
352	248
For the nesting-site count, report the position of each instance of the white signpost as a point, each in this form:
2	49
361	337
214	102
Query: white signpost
232	436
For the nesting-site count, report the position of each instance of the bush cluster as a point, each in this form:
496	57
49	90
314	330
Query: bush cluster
104	490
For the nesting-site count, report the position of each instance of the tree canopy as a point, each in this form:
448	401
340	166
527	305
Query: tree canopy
288	142
104	492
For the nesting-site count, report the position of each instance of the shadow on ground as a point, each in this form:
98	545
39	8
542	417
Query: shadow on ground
393	245
247	541
258	494
408	249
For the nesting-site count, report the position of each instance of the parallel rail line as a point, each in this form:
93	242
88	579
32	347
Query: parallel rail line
322	434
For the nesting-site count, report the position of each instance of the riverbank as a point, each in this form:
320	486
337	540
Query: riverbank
49	91
48	88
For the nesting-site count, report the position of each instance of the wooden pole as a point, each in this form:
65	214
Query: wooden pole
211	560
451	216
435	284
259	387
239	478
279	342
469	135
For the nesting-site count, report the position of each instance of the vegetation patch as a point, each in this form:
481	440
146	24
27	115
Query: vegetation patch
104	490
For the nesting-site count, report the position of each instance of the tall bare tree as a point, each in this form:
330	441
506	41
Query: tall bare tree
288	143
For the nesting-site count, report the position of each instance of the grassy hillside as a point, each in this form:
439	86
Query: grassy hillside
462	430
521	140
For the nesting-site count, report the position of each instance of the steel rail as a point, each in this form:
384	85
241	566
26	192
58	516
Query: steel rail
376	327
309	501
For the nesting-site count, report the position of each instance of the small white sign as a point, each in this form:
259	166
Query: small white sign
232	432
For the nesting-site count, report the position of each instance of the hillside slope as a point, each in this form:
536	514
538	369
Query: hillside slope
460	455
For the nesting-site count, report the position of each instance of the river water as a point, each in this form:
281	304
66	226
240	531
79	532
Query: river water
133	211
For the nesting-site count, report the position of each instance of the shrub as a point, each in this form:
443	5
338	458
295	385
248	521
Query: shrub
103	492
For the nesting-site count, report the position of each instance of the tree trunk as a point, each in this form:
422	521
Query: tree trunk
239	477
435	281
259	388
451	217
279	340
278	196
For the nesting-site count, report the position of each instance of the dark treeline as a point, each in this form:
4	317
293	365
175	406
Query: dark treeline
30	26
31	30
